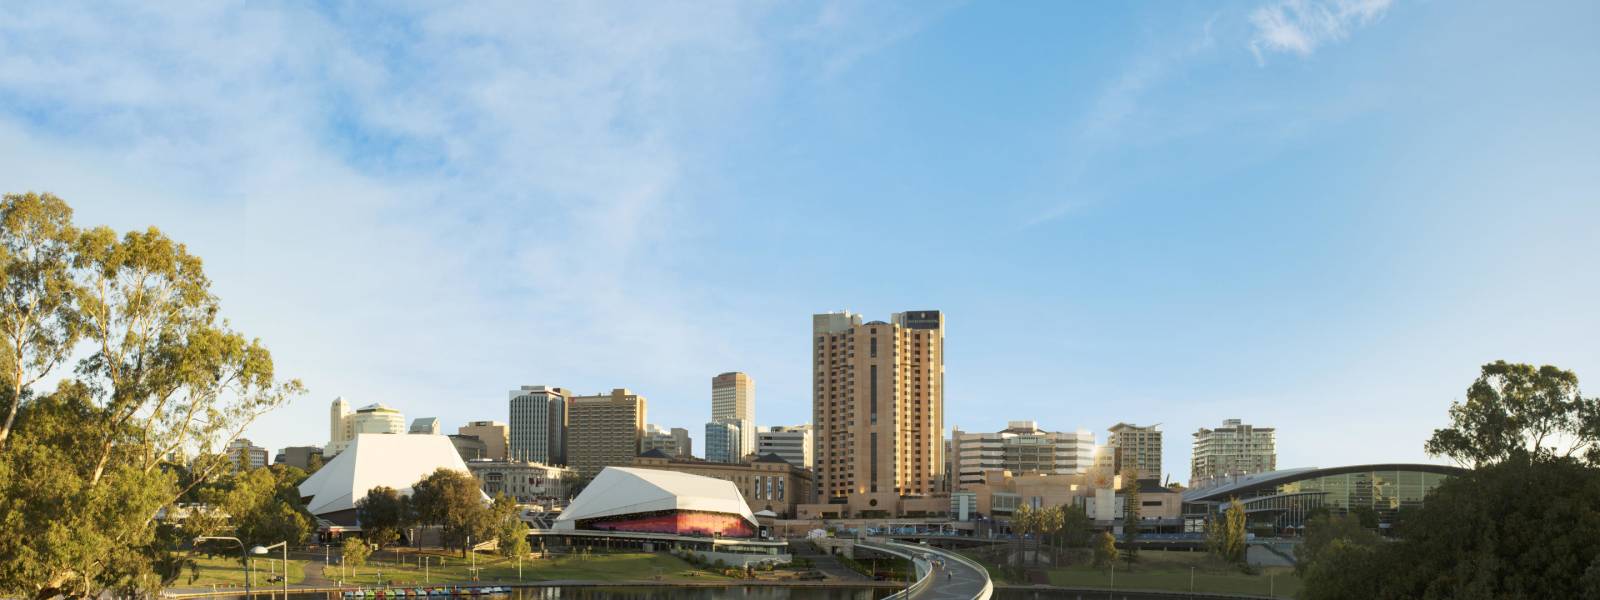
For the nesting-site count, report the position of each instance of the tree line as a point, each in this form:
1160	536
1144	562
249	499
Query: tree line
1523	522
451	501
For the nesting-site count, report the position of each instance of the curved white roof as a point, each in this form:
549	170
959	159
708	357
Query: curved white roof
628	490
375	459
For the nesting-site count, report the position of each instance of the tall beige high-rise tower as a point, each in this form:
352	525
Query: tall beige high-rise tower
878	409
733	396
604	430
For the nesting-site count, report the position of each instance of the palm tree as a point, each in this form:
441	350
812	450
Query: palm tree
1051	520
1022	522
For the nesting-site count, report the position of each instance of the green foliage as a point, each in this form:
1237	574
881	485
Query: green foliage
383	513
38	323
1524	524
1516	411
452	500
262	505
1105	549
1225	533
162	387
1342	570
509	530
355	551
1130	513
1323	530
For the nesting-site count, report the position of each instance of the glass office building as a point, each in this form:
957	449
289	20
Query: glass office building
1283	498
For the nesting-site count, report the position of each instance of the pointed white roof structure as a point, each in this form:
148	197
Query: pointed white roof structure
375	459
627	490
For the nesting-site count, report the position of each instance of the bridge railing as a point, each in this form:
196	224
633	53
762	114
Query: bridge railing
988	584
924	581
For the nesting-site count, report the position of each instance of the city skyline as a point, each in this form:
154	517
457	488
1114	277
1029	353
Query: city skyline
1167	215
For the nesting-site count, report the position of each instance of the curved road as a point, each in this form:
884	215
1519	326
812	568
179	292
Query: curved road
952	579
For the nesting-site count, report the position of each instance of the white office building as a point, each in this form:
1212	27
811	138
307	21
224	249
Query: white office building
1021	448
539	424
345	425
791	443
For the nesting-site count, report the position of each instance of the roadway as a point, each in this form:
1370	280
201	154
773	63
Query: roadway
951	578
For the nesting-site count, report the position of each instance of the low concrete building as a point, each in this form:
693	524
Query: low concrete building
496	437
470	447
767	483
526	482
425	426
1000	493
298	456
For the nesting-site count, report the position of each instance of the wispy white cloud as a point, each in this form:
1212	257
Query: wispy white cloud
1300	26
418	205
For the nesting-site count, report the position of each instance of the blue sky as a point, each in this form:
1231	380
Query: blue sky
1315	215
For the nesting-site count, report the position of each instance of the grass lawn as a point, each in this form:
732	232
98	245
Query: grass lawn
1157	570
445	568
1169	571
224	571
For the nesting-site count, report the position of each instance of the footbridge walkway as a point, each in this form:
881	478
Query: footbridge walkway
941	574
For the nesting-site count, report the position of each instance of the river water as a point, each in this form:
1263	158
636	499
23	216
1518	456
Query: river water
663	593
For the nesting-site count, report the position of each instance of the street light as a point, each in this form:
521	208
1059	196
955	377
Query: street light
242	554
263	550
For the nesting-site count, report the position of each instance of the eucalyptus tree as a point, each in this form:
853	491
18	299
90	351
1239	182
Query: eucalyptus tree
38	320
161	387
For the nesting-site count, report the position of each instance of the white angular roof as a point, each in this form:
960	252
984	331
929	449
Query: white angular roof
628	490
374	459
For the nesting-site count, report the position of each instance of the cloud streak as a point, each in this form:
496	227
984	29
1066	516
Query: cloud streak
1301	26
418	205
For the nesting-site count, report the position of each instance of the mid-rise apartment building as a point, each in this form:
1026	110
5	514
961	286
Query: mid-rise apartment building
1022	448
246	455
878	412
1135	447
539	423
603	430
1235	448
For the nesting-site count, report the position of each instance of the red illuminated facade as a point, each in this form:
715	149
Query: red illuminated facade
674	522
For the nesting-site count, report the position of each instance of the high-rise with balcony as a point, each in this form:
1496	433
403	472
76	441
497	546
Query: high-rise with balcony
733	396
1135	447
878	411
538	424
1022	448
1235	448
604	430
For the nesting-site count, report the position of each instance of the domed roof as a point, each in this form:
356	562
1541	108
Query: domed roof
628	490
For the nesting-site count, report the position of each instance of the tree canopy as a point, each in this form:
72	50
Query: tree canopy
1524	523
160	387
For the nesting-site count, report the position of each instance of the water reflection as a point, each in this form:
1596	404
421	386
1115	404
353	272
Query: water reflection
666	593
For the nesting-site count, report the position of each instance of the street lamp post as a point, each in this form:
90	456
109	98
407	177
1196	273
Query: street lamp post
263	550
242	554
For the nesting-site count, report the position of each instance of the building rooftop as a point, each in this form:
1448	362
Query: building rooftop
625	490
